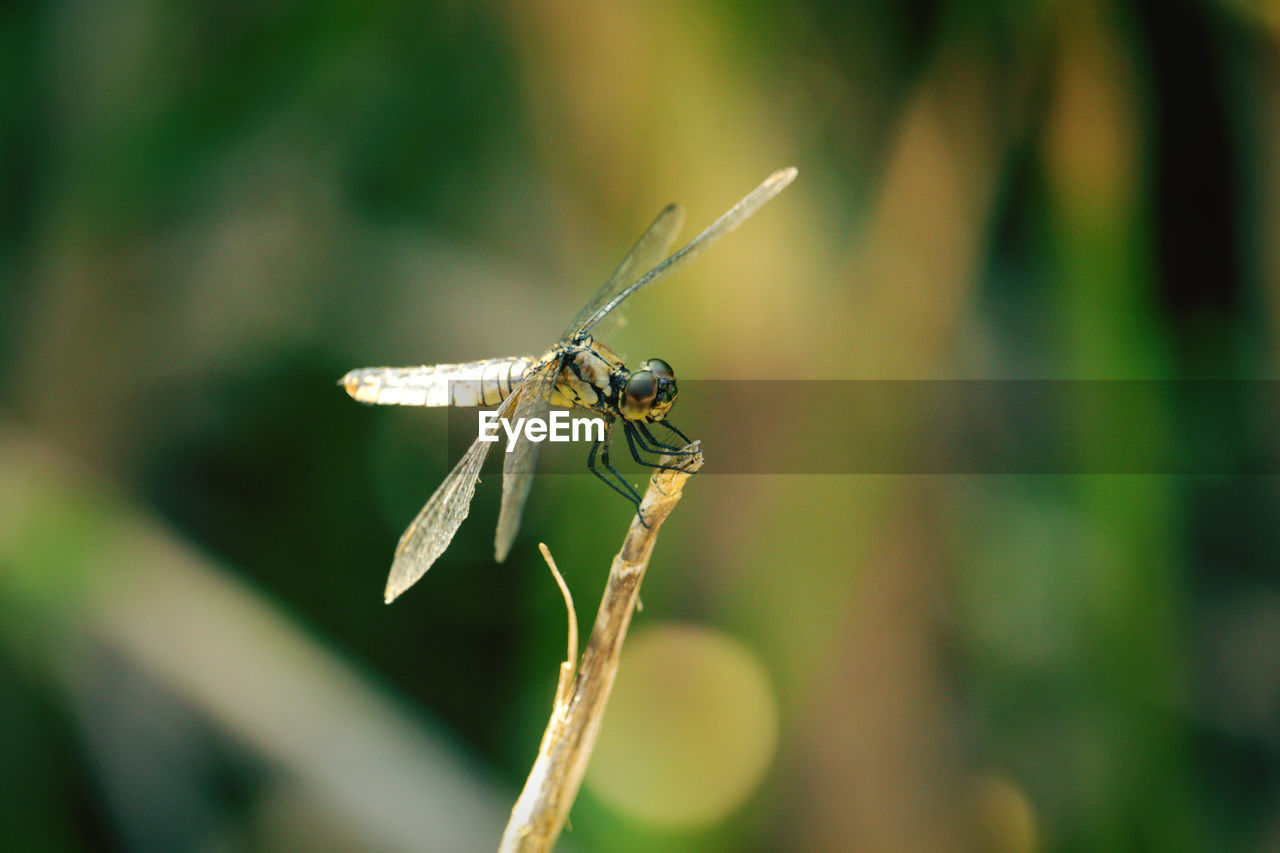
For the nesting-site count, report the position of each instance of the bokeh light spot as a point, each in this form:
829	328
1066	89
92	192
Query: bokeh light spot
690	731
1002	818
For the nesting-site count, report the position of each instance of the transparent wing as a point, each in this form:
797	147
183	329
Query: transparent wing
734	217
652	247
427	537
518	463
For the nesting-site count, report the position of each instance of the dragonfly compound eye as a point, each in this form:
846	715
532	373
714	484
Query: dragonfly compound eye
659	368
639	393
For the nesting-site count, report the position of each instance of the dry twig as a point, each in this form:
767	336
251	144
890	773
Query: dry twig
540	812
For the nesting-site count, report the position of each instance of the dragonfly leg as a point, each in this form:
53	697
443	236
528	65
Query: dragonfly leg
625	489
672	427
655	446
632	439
635	496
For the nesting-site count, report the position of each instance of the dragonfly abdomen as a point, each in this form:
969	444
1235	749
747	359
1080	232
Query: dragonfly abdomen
476	383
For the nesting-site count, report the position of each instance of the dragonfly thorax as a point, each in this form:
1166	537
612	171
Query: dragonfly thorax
593	377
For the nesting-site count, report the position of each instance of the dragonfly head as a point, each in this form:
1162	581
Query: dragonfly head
650	392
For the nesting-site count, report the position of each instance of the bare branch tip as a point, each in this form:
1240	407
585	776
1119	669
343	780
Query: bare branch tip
572	656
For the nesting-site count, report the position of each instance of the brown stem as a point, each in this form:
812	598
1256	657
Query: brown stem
540	812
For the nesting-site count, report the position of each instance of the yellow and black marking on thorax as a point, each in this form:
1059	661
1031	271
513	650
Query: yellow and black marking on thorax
590	376
593	377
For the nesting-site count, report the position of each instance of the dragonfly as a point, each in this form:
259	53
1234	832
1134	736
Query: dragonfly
577	371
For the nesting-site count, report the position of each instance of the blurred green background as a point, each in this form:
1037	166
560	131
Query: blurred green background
211	211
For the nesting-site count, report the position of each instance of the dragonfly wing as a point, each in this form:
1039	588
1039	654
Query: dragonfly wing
652	247
427	537
522	456
731	219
